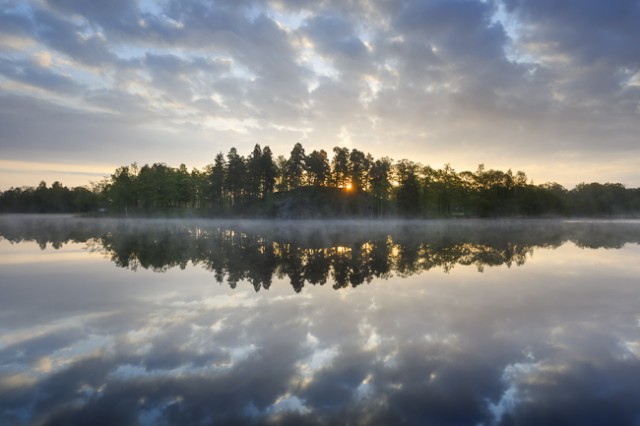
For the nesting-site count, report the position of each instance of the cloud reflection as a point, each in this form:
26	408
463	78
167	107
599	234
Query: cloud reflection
523	345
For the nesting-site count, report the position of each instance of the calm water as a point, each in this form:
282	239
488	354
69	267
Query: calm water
459	322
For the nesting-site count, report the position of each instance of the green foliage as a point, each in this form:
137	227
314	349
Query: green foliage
268	170
408	191
216	174
317	168
352	184
54	199
358	169
294	168
380	183
340	167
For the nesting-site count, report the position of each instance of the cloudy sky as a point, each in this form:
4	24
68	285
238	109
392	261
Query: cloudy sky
549	87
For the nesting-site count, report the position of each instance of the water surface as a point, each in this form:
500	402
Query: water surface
206	322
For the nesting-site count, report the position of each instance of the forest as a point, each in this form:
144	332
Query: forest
349	183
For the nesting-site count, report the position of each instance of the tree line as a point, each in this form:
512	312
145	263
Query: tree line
261	184
56	198
346	253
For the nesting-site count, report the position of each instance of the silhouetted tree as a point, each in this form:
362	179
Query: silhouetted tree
294	168
281	173
317	168
217	182
269	170
380	183
379	186
235	176
255	174
340	167
408	191
358	169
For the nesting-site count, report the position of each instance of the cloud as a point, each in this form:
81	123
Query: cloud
37	75
589	31
508	83
94	343
78	42
13	23
591	45
337	39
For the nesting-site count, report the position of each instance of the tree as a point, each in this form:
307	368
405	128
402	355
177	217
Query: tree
269	170
122	189
294	169
185	186
413	188
200	187
255	175
235	176
281	173
317	168
408	193
217	182
340	167
358	169
447	189
380	182
58	197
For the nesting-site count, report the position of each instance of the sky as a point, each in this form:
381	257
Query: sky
545	86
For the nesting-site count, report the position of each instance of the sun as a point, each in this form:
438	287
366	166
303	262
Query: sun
348	186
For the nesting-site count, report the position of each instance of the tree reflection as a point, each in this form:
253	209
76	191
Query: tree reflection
345	254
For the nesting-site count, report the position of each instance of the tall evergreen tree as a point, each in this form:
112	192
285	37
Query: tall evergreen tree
281	173
340	167
358	169
255	174
294	170
380	183
317	168
235	176
217	182
408	192
269	170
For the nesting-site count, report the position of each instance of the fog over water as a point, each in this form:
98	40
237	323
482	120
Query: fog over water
420	322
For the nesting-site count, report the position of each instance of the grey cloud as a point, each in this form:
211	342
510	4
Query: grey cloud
336	38
184	78
63	36
462	27
30	73
97	137
31	350
13	23
438	78
469	47
277	85
120	15
564	396
589	31
127	106
336	102
595	41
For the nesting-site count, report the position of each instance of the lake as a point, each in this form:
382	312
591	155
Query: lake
465	322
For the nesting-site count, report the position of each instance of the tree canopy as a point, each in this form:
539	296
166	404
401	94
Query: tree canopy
352	182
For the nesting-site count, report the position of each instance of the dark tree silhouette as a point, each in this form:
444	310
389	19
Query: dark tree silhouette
294	168
317	168
235	177
340	167
353	184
